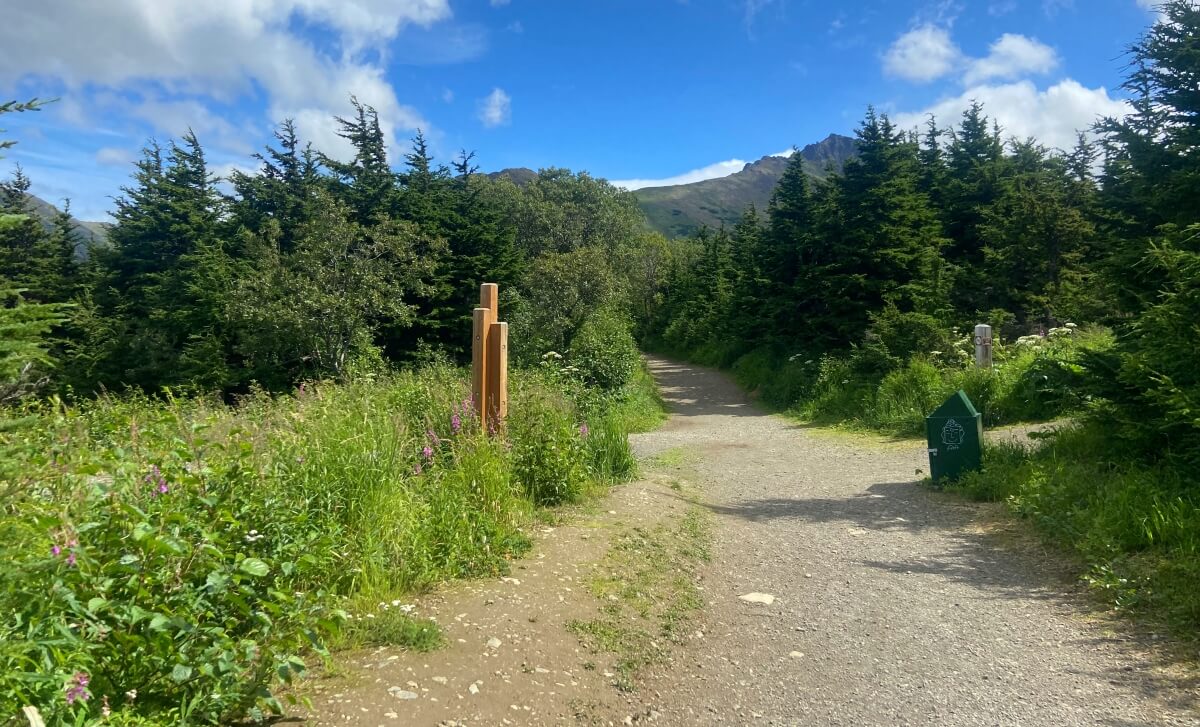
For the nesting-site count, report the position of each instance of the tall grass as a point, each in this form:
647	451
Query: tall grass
193	551
1137	527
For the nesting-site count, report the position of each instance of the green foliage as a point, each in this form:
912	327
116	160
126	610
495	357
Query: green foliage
200	553
1135	527
1150	379
549	447
558	293
603	350
24	343
312	310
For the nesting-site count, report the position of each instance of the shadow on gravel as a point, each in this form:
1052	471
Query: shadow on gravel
694	392
884	506
994	564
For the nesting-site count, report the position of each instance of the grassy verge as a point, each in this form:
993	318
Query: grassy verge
168	560
647	585
1035	379
1136	527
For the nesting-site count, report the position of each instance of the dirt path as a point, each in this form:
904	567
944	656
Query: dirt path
892	605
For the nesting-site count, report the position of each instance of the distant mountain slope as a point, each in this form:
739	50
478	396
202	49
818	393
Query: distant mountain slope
519	176
86	233
683	209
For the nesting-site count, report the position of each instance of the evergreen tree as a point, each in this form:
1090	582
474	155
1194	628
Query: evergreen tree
161	282
974	158
891	234
366	183
1152	171
281	190
1034	239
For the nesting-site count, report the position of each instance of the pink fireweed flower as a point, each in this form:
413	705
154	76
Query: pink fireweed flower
456	423
71	558
433	437
77	688
417	468
56	550
427	452
583	429
157	481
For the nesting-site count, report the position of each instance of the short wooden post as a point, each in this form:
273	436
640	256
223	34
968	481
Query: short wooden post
983	346
497	374
480	321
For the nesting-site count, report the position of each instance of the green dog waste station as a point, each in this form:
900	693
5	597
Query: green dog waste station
955	432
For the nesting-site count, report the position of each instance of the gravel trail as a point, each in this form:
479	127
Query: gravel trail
892	605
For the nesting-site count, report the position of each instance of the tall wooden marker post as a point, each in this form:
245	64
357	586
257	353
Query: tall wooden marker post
489	359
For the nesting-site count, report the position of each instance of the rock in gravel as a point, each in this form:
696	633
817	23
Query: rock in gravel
494	643
399	693
440	680
764	598
796	655
473	689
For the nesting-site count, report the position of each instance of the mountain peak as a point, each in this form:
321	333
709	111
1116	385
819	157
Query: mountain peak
682	209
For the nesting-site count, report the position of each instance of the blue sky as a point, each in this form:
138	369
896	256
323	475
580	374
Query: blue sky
637	91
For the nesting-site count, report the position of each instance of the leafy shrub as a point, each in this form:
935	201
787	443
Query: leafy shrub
906	396
604	352
548	452
905	335
176	559
155	575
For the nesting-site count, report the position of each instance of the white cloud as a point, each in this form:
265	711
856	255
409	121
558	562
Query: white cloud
712	171
496	109
112	156
928	53
923	54
1052	116
172	52
447	96
1012	56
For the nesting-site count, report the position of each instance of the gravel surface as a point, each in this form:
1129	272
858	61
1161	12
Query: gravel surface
892	605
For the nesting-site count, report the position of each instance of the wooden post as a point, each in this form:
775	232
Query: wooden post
489	297
983	346
489	359
481	320
497	374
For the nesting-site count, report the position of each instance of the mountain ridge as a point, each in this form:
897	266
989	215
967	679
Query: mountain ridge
682	209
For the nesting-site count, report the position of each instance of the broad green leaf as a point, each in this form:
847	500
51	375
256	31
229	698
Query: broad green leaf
254	567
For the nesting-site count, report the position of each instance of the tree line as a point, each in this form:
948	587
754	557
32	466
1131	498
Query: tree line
933	230
307	267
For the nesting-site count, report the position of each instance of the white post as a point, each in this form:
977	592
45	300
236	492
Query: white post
983	346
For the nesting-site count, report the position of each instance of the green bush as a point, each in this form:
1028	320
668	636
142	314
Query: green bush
182	557
549	453
1136	527
905	335
906	396
1150	379
604	352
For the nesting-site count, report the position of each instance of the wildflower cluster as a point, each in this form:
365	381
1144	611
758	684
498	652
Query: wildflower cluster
157	482
64	541
463	411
